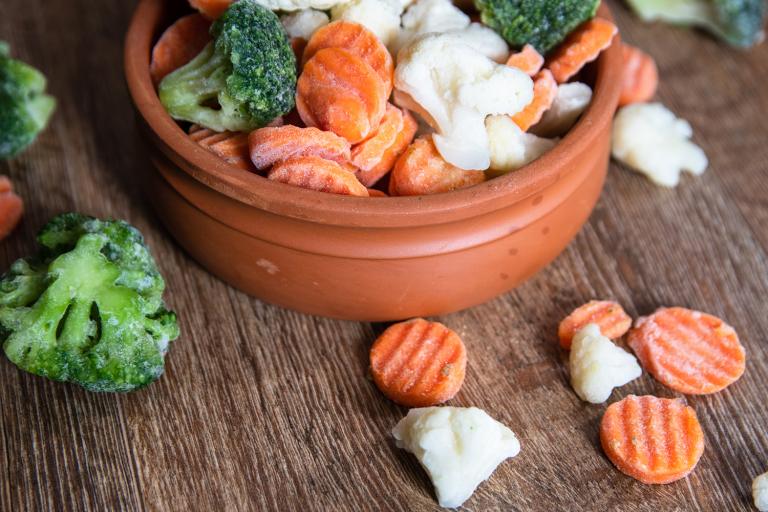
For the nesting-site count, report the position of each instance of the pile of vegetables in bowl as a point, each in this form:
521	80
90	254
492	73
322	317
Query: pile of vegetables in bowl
379	97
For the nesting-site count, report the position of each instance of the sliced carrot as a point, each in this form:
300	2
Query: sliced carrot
544	94
11	207
231	147
211	9
581	47
339	92
269	146
609	317
688	351
374	192
421	170
358	40
641	76
316	173
418	363
376	155
654	440
179	44
527	60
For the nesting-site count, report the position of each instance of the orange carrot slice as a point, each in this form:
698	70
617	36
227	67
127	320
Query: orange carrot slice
609	317
641	76
688	351
581	47
231	147
527	60
357	40
421	170
418	363
179	44
269	146
374	192
339	92
544	94
211	9
376	155
11	207
316	173
654	440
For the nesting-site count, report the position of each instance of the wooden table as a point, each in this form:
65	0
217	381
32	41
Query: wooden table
266	409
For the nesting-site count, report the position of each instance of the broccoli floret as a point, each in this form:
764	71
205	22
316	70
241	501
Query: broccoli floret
739	22
248	72
24	106
88	308
541	23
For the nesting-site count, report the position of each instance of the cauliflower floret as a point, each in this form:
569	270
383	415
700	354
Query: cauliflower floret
456	88
571	101
760	492
298	5
382	17
429	16
651	140
598	366
511	147
304	23
458	447
484	40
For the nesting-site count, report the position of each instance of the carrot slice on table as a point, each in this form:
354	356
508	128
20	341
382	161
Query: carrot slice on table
418	363
339	92
581	47
688	351
544	94
527	60
609	316
269	146
654	440
376	155
357	40
11	207
211	9
179	44
641	76
316	173
421	170
231	147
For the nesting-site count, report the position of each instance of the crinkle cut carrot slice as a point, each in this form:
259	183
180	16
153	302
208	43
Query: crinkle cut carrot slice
229	146
581	47
527	60
641	76
11	207
609	316
211	9
544	94
418	363
688	351
654	440
179	44
269	146
316	173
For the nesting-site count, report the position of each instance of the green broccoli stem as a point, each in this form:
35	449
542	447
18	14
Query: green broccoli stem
188	92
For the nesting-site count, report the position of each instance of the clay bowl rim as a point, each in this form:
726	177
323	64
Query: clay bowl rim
385	212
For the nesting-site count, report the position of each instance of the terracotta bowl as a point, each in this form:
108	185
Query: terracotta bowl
373	259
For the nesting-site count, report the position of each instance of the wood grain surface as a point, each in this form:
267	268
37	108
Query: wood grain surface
266	409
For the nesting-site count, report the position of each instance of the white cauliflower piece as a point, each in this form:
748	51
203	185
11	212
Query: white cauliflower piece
651	140
571	101
458	447
597	365
455	88
760	492
511	147
483	39
298	5
304	23
382	17
429	16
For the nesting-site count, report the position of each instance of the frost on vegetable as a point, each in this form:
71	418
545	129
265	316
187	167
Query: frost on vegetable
304	23
760	492
598	366
571	101
88	307
458	447
512	148
429	17
454	88
382	17
651	140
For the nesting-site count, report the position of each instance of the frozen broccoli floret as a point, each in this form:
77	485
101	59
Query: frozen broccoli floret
541	23
88	308
24	106
242	80
739	22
